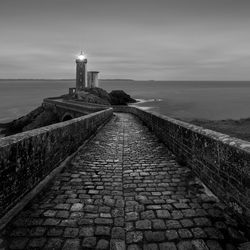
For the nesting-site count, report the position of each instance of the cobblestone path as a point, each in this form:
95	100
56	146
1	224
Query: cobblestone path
124	190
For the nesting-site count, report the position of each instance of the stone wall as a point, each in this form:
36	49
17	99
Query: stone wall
74	108
222	162
27	158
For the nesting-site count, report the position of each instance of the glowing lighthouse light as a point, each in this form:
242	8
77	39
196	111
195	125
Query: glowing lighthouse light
81	57
81	72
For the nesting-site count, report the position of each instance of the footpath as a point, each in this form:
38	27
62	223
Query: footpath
124	190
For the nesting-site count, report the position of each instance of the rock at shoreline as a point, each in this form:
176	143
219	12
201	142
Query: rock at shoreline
119	97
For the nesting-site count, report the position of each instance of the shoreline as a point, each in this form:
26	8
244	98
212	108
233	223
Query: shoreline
139	101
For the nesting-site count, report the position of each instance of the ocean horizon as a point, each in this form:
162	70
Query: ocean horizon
186	100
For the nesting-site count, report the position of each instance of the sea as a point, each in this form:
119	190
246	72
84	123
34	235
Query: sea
185	100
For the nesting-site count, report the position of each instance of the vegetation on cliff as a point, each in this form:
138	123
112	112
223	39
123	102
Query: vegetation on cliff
101	93
94	95
236	128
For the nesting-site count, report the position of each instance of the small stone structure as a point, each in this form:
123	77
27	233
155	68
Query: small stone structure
92	79
72	91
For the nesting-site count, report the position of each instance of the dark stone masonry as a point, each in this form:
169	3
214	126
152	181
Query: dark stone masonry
125	190
220	161
27	158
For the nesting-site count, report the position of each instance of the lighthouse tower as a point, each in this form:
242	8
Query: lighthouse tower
81	72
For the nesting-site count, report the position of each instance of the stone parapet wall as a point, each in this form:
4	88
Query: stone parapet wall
73	108
27	158
81	107
220	161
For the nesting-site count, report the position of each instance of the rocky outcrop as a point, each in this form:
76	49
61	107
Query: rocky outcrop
101	96
101	93
119	97
91	98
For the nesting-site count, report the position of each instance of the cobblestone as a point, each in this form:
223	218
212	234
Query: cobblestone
118	233
102	230
54	243
89	242
154	236
71	244
124	190
135	236
172	235
102	244
167	246
71	232
143	224
159	224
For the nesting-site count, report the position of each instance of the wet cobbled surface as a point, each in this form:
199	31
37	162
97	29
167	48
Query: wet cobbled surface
124	190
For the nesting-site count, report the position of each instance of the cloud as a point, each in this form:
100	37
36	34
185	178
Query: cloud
167	39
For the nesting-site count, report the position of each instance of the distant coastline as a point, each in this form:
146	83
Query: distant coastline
124	79
55	79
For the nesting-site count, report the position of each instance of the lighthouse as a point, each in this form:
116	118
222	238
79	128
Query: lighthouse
81	72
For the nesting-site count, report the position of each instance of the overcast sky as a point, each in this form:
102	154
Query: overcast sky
138	39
